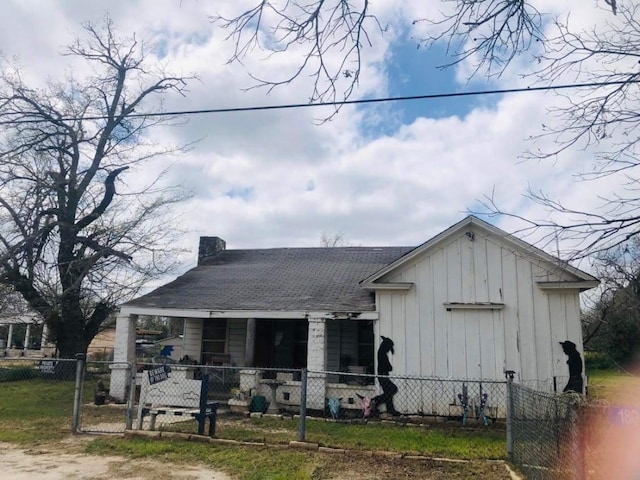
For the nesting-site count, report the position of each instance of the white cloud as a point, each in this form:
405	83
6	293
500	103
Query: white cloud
275	178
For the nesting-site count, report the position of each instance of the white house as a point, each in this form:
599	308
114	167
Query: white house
469	303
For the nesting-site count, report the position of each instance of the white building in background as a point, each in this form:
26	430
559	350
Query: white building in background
10	344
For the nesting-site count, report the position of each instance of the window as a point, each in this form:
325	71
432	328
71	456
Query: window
214	341
365	345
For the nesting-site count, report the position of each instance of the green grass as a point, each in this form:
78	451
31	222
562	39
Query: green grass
35	410
436	439
246	463
613	386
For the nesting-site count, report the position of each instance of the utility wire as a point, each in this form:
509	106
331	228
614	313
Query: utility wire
336	103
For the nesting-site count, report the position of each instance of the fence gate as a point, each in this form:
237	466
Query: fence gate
97	412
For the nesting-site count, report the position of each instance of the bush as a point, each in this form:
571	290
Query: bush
598	361
16	374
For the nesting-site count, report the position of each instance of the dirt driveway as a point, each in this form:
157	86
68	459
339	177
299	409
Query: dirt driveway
53	464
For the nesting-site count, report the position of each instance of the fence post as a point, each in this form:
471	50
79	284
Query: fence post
77	398
509	374
131	401
303	406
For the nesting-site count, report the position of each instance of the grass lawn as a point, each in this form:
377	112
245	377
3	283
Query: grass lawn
35	411
614	386
257	463
437	439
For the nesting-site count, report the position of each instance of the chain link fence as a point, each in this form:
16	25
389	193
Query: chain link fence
554	384
171	396
80	391
40	388
183	398
107	397
345	396
23	369
98	411
543	438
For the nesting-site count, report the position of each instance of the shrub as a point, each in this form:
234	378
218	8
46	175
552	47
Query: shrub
16	374
598	361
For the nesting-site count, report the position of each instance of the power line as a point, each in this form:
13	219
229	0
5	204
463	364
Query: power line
337	103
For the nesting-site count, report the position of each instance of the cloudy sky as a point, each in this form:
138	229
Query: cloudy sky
392	174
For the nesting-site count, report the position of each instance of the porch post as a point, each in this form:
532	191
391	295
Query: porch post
27	337
250	343
124	352
10	338
44	340
316	363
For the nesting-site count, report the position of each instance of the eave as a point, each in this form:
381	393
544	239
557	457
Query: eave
398	286
271	314
579	285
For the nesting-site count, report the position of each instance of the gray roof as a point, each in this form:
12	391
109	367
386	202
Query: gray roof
279	279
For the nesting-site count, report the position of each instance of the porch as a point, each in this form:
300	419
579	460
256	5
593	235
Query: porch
269	341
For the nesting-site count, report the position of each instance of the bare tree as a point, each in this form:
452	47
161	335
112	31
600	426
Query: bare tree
70	243
488	32
321	27
601	121
333	240
611	322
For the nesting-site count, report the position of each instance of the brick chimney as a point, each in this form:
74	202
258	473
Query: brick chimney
209	246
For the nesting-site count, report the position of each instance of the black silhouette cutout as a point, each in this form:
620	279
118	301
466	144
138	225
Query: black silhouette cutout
575	367
389	389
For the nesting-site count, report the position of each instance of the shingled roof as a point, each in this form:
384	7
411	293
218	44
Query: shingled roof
278	279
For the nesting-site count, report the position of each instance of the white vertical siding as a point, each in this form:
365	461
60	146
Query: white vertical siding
494	271
193	338
467	270
480	270
424	289
456	355
398	334
524	301
543	319
453	272
574	327
558	333
522	336
440	317
513	340
236	340
412	327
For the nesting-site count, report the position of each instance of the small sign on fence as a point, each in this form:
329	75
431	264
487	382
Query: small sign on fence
158	374
624	416
47	366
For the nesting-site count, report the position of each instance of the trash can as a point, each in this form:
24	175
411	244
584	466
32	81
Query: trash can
259	404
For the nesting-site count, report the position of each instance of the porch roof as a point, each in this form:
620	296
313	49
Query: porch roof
278	279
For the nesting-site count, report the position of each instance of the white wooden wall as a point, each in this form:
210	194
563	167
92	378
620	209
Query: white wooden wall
236	341
193	338
431	340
